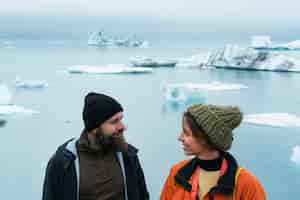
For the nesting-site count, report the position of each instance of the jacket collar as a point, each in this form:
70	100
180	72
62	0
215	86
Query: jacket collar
132	151
225	183
69	149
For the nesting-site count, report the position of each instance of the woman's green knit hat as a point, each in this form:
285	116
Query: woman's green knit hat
217	122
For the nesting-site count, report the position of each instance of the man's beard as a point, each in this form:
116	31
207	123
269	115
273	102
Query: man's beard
115	142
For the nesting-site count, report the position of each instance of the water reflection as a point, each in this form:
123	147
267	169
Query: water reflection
239	74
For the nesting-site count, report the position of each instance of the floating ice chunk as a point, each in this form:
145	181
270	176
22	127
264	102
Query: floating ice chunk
31	84
101	39
234	57
261	41
264	43
195	61
282	63
180	106
109	69
176	94
213	86
13	109
152	62
185	91
140	44
294	44
296	155
5	96
273	119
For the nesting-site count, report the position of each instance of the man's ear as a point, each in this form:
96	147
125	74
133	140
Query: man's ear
94	131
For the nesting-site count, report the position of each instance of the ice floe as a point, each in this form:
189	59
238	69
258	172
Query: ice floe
293	45
13	109
30	84
5	96
195	61
109	69
235	57
185	91
273	119
152	62
295	157
7	108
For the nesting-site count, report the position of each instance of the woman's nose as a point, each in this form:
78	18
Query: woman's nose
180	137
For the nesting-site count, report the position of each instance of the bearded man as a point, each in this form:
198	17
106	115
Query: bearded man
100	165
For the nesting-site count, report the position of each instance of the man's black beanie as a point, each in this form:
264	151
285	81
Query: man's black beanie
97	109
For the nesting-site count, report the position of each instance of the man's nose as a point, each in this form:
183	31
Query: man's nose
121	126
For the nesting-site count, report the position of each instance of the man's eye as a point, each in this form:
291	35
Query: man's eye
114	121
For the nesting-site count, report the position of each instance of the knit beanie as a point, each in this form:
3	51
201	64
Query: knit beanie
97	109
217	122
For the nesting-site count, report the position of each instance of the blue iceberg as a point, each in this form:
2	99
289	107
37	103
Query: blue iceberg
182	92
295	157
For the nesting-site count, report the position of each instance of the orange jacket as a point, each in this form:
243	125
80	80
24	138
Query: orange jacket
234	183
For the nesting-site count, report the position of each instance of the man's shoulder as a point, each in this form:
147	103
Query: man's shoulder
132	150
63	154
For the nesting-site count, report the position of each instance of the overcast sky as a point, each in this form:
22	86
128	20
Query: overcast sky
268	9
259	14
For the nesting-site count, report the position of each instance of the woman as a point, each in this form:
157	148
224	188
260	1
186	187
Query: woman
212	173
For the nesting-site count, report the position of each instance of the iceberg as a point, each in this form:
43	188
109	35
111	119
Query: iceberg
293	45
296	155
109	69
195	61
151	62
13	109
100	39
273	119
265	43
234	57
31	84
180	106
261	41
5	96
186	91
290	46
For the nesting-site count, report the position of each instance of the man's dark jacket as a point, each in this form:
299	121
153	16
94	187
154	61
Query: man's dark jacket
61	177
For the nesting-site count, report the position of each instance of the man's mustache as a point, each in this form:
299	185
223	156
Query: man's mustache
118	134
